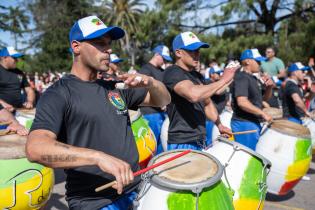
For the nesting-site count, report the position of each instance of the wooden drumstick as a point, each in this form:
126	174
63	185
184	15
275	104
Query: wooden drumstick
244	132
105	186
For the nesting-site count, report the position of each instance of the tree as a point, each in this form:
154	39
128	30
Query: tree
13	19
125	14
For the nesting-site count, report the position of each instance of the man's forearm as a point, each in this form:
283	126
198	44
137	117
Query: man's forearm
268	94
159	95
30	95
203	92
54	154
247	106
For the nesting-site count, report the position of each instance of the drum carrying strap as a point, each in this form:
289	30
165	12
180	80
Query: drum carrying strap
262	184
144	189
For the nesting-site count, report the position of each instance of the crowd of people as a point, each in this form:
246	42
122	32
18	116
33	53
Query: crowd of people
82	121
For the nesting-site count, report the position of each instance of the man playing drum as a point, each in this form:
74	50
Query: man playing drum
191	103
14	125
293	105
13	80
247	98
82	124
154	68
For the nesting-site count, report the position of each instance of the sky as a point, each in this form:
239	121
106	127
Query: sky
7	38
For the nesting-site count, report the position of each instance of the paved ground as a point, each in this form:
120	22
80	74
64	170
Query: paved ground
301	198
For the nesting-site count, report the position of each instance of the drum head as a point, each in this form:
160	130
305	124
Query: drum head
238	146
12	146
26	111
274	112
193	171
134	115
290	128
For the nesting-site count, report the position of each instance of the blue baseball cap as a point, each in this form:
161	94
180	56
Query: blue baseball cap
298	66
188	41
10	51
92	27
115	59
215	69
163	51
252	54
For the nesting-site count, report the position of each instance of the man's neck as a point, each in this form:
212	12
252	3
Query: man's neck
182	65
294	78
247	70
82	72
271	58
4	66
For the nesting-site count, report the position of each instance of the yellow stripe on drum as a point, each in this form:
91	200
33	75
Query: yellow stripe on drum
30	194
298	169
248	203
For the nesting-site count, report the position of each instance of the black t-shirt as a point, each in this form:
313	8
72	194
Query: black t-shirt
246	85
187	120
11	84
220	101
288	105
91	115
156	73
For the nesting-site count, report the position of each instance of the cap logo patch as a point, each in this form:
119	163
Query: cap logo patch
96	21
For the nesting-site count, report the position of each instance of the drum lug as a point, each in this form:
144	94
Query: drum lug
197	190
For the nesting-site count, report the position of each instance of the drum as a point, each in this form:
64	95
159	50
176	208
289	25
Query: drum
288	146
310	124
25	117
164	133
225	118
23	185
245	173
144	137
274	112
190	182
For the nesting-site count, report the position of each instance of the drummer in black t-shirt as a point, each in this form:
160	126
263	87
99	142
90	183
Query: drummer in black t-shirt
292	103
13	80
14	125
154	68
191	103
82	124
247	98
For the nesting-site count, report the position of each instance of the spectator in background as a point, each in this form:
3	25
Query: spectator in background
273	66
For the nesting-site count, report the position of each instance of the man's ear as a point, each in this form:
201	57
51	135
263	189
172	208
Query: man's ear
75	46
178	53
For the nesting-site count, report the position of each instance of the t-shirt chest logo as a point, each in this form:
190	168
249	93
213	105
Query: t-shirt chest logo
116	100
20	78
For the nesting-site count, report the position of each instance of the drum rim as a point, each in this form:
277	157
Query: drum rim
308	136
194	187
266	161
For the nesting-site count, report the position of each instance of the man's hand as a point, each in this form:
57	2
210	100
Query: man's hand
118	168
225	131
17	128
268	82
7	106
266	117
28	105
134	81
230	71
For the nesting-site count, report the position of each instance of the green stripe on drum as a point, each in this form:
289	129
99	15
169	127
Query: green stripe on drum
249	187
140	128
13	167
215	197
302	149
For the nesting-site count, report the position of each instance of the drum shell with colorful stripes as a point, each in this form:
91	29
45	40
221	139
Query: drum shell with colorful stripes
23	185
144	137
288	146
246	173
181	189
